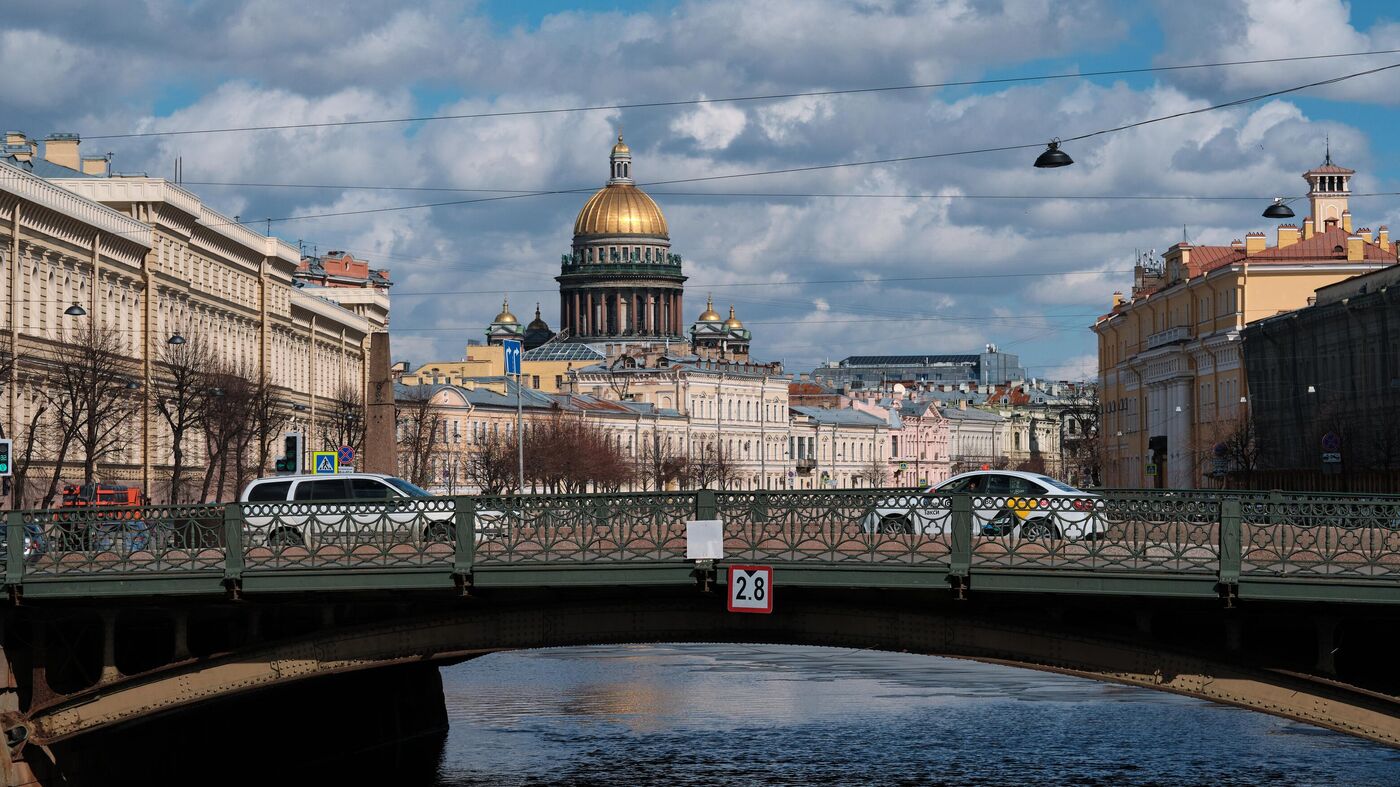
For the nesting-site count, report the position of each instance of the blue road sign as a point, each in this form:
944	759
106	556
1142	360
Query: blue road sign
512	347
346	455
324	463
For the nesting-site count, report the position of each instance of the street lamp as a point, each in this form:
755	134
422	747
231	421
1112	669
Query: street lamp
75	310
175	339
1053	157
1278	210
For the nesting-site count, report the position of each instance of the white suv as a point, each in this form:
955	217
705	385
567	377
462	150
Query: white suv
348	507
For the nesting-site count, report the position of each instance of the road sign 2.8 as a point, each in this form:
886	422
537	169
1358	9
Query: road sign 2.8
750	589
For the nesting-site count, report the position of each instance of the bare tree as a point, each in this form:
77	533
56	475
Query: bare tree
491	466
345	423
711	467
183	399
874	472
419	426
1081	441
267	416
658	464
1241	447
91	385
228	427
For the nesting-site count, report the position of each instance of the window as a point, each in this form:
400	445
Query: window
269	492
323	489
535	381
369	489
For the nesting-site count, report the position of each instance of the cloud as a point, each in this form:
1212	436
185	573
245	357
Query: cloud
712	126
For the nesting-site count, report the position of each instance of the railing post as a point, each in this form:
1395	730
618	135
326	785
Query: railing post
960	542
233	545
706	504
1231	545
14	549
465	530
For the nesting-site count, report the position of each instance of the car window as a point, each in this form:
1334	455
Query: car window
1020	487
956	486
1056	485
370	489
322	489
269	492
409	489
998	484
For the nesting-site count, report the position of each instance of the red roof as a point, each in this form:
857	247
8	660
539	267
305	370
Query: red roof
1330	244
1330	169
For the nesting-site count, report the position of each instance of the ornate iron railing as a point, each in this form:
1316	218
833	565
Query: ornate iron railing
121	540
523	529
1191	534
397	532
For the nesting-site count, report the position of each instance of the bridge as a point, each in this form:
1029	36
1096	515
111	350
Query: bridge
123	619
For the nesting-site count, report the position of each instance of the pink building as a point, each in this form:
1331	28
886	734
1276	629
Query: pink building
919	436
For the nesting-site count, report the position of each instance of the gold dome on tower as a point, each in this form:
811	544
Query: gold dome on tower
505	317
620	208
709	315
732	322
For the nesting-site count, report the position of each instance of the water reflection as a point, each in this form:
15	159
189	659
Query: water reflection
735	714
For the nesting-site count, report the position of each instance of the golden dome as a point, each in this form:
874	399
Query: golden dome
710	315
732	322
505	317
538	323
621	147
621	209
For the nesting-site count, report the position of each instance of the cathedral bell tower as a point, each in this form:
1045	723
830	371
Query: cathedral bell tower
1328	187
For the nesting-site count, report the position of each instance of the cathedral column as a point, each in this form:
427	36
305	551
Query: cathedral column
588	316
617	315
675	314
574	327
651	304
680	312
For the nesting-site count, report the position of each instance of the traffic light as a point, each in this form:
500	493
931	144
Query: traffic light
290	461
6	450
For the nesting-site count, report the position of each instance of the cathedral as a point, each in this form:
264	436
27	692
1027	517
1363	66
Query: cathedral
621	284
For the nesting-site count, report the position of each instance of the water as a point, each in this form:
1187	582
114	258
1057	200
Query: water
736	715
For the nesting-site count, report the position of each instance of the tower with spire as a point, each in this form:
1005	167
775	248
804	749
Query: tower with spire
1328	188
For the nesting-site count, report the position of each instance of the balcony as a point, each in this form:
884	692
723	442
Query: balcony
1170	336
806	465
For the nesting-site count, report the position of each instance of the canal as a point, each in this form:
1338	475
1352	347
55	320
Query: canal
736	714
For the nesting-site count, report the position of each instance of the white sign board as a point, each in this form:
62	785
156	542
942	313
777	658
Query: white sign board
751	589
704	539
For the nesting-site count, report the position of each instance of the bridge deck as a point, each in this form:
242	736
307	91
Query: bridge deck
1283	546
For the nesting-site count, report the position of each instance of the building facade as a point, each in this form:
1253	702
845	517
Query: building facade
1332	367
144	260
1172	376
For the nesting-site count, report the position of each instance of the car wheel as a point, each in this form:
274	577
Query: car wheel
896	525
440	531
286	537
1039	529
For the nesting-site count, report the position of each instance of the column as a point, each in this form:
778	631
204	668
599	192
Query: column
574	315
587	326
650	312
680	313
618	316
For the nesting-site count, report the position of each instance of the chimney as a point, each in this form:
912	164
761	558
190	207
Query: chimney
21	147
1254	243
1307	228
1383	237
1355	249
962	404
1287	235
1117	298
1346	220
1365	233
62	149
95	165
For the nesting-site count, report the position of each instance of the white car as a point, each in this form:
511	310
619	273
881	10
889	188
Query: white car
1004	503
353	507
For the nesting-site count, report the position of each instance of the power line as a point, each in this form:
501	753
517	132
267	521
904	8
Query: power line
781	194
733	285
835	165
736	99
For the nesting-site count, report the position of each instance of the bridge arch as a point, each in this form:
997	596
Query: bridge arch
1132	642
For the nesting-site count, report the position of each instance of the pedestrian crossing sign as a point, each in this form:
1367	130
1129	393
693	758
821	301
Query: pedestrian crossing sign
325	463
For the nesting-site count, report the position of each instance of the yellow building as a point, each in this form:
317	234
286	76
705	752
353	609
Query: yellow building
1171	372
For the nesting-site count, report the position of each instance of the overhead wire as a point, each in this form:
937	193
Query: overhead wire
738	99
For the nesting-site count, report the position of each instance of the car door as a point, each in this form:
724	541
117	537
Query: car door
328	522
990	493
385	508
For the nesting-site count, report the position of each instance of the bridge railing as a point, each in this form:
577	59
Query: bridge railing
1256	535
626	527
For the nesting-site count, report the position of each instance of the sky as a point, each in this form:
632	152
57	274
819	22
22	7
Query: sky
955	272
